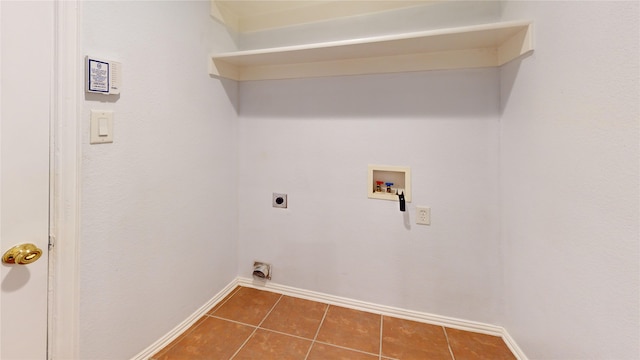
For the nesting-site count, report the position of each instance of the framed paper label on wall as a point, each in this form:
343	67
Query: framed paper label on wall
103	76
98	76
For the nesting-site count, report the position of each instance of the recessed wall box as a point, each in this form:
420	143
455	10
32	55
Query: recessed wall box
384	181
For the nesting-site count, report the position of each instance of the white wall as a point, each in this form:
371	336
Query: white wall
569	158
556	132
313	139
159	204
430	15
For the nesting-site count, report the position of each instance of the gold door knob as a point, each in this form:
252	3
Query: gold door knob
22	254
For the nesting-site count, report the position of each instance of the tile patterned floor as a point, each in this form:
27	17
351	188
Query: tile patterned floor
253	324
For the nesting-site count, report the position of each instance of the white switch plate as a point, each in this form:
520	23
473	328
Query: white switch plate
423	215
101	127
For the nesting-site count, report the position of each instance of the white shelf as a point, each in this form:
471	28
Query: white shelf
487	45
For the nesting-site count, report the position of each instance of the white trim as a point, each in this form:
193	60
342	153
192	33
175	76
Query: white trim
65	224
183	326
374	308
338	301
515	349
449	322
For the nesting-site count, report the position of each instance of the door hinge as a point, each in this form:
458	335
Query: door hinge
52	242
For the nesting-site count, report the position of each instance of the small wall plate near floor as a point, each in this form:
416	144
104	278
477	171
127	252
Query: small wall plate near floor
261	270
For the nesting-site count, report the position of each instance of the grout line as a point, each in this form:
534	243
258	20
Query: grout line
345	348
243	344
381	327
312	341
448	344
273	307
181	337
228	297
317	331
178	339
233	321
256	329
283	333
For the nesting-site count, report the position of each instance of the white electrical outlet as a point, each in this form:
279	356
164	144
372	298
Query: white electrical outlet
423	215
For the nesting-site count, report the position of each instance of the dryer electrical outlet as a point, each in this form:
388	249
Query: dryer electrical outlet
279	200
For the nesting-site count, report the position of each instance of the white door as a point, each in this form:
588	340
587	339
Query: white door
26	64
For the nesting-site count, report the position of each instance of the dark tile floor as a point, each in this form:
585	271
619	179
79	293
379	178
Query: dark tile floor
254	324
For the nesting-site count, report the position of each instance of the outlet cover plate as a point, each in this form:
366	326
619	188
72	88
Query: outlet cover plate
423	215
279	200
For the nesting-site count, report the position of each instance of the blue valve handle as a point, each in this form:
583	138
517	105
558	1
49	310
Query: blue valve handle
388	186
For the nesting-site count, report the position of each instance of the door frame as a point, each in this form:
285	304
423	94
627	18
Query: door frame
65	185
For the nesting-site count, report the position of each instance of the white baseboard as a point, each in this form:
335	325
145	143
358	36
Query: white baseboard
338	301
511	343
389	311
375	308
183	326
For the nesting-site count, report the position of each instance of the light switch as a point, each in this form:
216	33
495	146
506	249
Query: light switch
101	127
